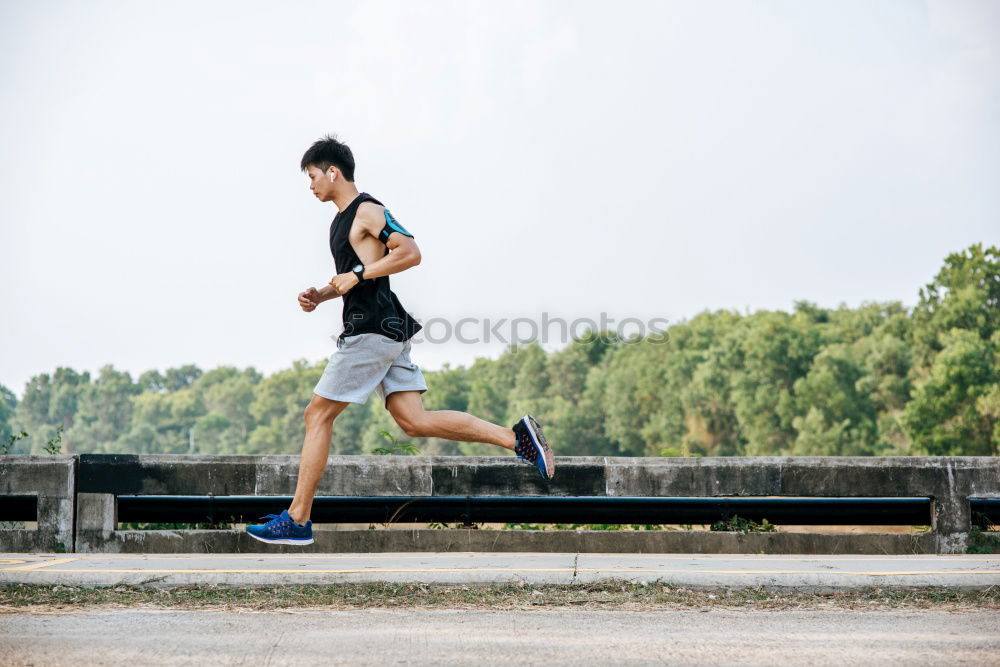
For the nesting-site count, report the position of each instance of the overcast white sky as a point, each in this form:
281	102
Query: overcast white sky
642	159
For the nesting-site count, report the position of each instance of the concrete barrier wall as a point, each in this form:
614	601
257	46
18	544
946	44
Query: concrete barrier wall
948	481
52	480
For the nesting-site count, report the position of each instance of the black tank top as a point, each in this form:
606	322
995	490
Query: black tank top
370	306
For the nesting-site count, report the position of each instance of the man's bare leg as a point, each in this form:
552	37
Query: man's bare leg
407	408
319	416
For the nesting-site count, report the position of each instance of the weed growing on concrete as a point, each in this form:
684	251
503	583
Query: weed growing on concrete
11	441
54	446
737	524
396	447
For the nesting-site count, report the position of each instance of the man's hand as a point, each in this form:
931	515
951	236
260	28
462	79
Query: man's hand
312	297
309	299
343	282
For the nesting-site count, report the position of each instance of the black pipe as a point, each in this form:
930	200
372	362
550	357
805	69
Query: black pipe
988	507
532	509
18	508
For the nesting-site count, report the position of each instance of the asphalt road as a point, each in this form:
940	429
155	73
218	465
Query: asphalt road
549	637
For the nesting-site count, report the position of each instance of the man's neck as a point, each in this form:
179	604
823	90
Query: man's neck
343	199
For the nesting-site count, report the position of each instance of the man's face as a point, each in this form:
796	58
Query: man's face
320	183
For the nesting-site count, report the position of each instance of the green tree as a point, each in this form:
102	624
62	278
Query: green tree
104	411
227	394
965	294
8	404
490	383
48	403
574	416
712	427
279	406
952	411
163	423
776	350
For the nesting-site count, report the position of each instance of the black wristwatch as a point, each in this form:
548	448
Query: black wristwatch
359	271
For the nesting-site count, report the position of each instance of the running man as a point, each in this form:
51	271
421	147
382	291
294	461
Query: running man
373	351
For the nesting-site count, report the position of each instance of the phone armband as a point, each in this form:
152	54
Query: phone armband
391	225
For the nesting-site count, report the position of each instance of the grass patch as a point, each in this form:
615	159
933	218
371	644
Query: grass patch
603	595
740	525
983	538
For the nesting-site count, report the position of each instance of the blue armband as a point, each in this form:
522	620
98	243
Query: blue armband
391	225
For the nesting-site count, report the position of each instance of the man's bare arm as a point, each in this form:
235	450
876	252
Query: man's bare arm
327	292
403	251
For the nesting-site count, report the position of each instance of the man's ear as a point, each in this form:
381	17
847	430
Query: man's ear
331	174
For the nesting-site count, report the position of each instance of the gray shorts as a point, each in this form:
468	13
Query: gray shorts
366	362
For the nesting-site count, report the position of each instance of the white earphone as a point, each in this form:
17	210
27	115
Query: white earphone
332	176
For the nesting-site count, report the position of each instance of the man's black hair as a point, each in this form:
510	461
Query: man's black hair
330	152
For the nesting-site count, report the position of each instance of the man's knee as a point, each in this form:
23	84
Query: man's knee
414	426
322	410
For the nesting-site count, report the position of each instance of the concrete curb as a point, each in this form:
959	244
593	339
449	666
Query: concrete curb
487	541
818	573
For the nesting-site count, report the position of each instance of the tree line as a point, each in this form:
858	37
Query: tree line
881	379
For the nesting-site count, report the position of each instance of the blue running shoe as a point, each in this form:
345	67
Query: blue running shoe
532	447
281	529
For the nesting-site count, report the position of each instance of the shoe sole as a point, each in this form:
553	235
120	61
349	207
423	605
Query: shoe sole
281	540
536	433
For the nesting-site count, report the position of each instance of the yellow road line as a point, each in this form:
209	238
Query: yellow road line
40	565
831	572
250	556
372	571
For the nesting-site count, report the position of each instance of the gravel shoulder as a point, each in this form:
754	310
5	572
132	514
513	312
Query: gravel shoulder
608	595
